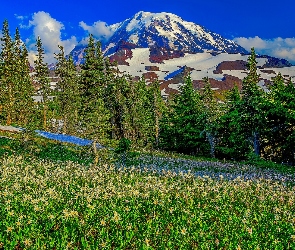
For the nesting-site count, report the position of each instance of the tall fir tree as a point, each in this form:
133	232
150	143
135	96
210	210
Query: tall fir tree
42	78
94	115
252	98
279	133
7	67
158	107
67	92
24	87
182	126
211	113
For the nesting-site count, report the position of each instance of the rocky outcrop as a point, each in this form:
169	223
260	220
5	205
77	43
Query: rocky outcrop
230	65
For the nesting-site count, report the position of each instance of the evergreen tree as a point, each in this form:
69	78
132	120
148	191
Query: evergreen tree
231	142
252	99
42	78
24	88
211	114
182	126
157	106
7	93
94	113
67	94
280	122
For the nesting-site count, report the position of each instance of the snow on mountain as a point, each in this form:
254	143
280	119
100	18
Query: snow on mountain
167	30
163	46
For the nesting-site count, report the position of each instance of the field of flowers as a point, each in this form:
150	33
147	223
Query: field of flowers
159	203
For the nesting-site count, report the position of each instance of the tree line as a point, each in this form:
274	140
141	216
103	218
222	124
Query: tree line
97	102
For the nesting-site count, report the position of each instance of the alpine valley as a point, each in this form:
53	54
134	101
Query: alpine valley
162	46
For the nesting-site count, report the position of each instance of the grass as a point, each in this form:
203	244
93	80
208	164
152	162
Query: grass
52	197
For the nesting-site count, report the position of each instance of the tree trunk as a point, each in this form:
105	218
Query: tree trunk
256	143
44	117
95	152
211	139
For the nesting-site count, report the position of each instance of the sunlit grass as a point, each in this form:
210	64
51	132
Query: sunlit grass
46	204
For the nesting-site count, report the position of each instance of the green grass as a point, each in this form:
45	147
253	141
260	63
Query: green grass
52	197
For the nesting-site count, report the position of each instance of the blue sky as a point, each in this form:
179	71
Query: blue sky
269	26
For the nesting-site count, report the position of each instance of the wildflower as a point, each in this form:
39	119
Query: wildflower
116	217
90	206
1	244
51	216
183	231
103	244
276	241
129	227
239	248
18	223
217	242
11	213
156	202
102	222
73	213
9	229
293	237
36	208
249	230
147	242
171	210
27	242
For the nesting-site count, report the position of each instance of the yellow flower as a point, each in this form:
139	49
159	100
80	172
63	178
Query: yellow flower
27	242
9	229
103	244
18	223
102	222
183	231
147	241
51	216
116	217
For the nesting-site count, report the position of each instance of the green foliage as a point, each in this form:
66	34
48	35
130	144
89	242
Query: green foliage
67	95
42	78
124	145
182	124
66	205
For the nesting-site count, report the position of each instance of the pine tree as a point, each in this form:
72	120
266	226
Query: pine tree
252	98
231	143
182	126
210	115
7	97
157	106
67	94
24	104
94	113
42	78
279	133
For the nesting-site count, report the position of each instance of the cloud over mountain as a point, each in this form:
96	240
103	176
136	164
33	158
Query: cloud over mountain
277	47
101	30
49	30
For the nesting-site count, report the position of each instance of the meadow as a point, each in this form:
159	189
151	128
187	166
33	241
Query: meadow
53	197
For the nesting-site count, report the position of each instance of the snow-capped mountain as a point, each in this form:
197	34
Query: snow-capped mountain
163	33
164	47
169	31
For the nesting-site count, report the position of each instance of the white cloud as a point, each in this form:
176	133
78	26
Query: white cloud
277	47
99	29
49	30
